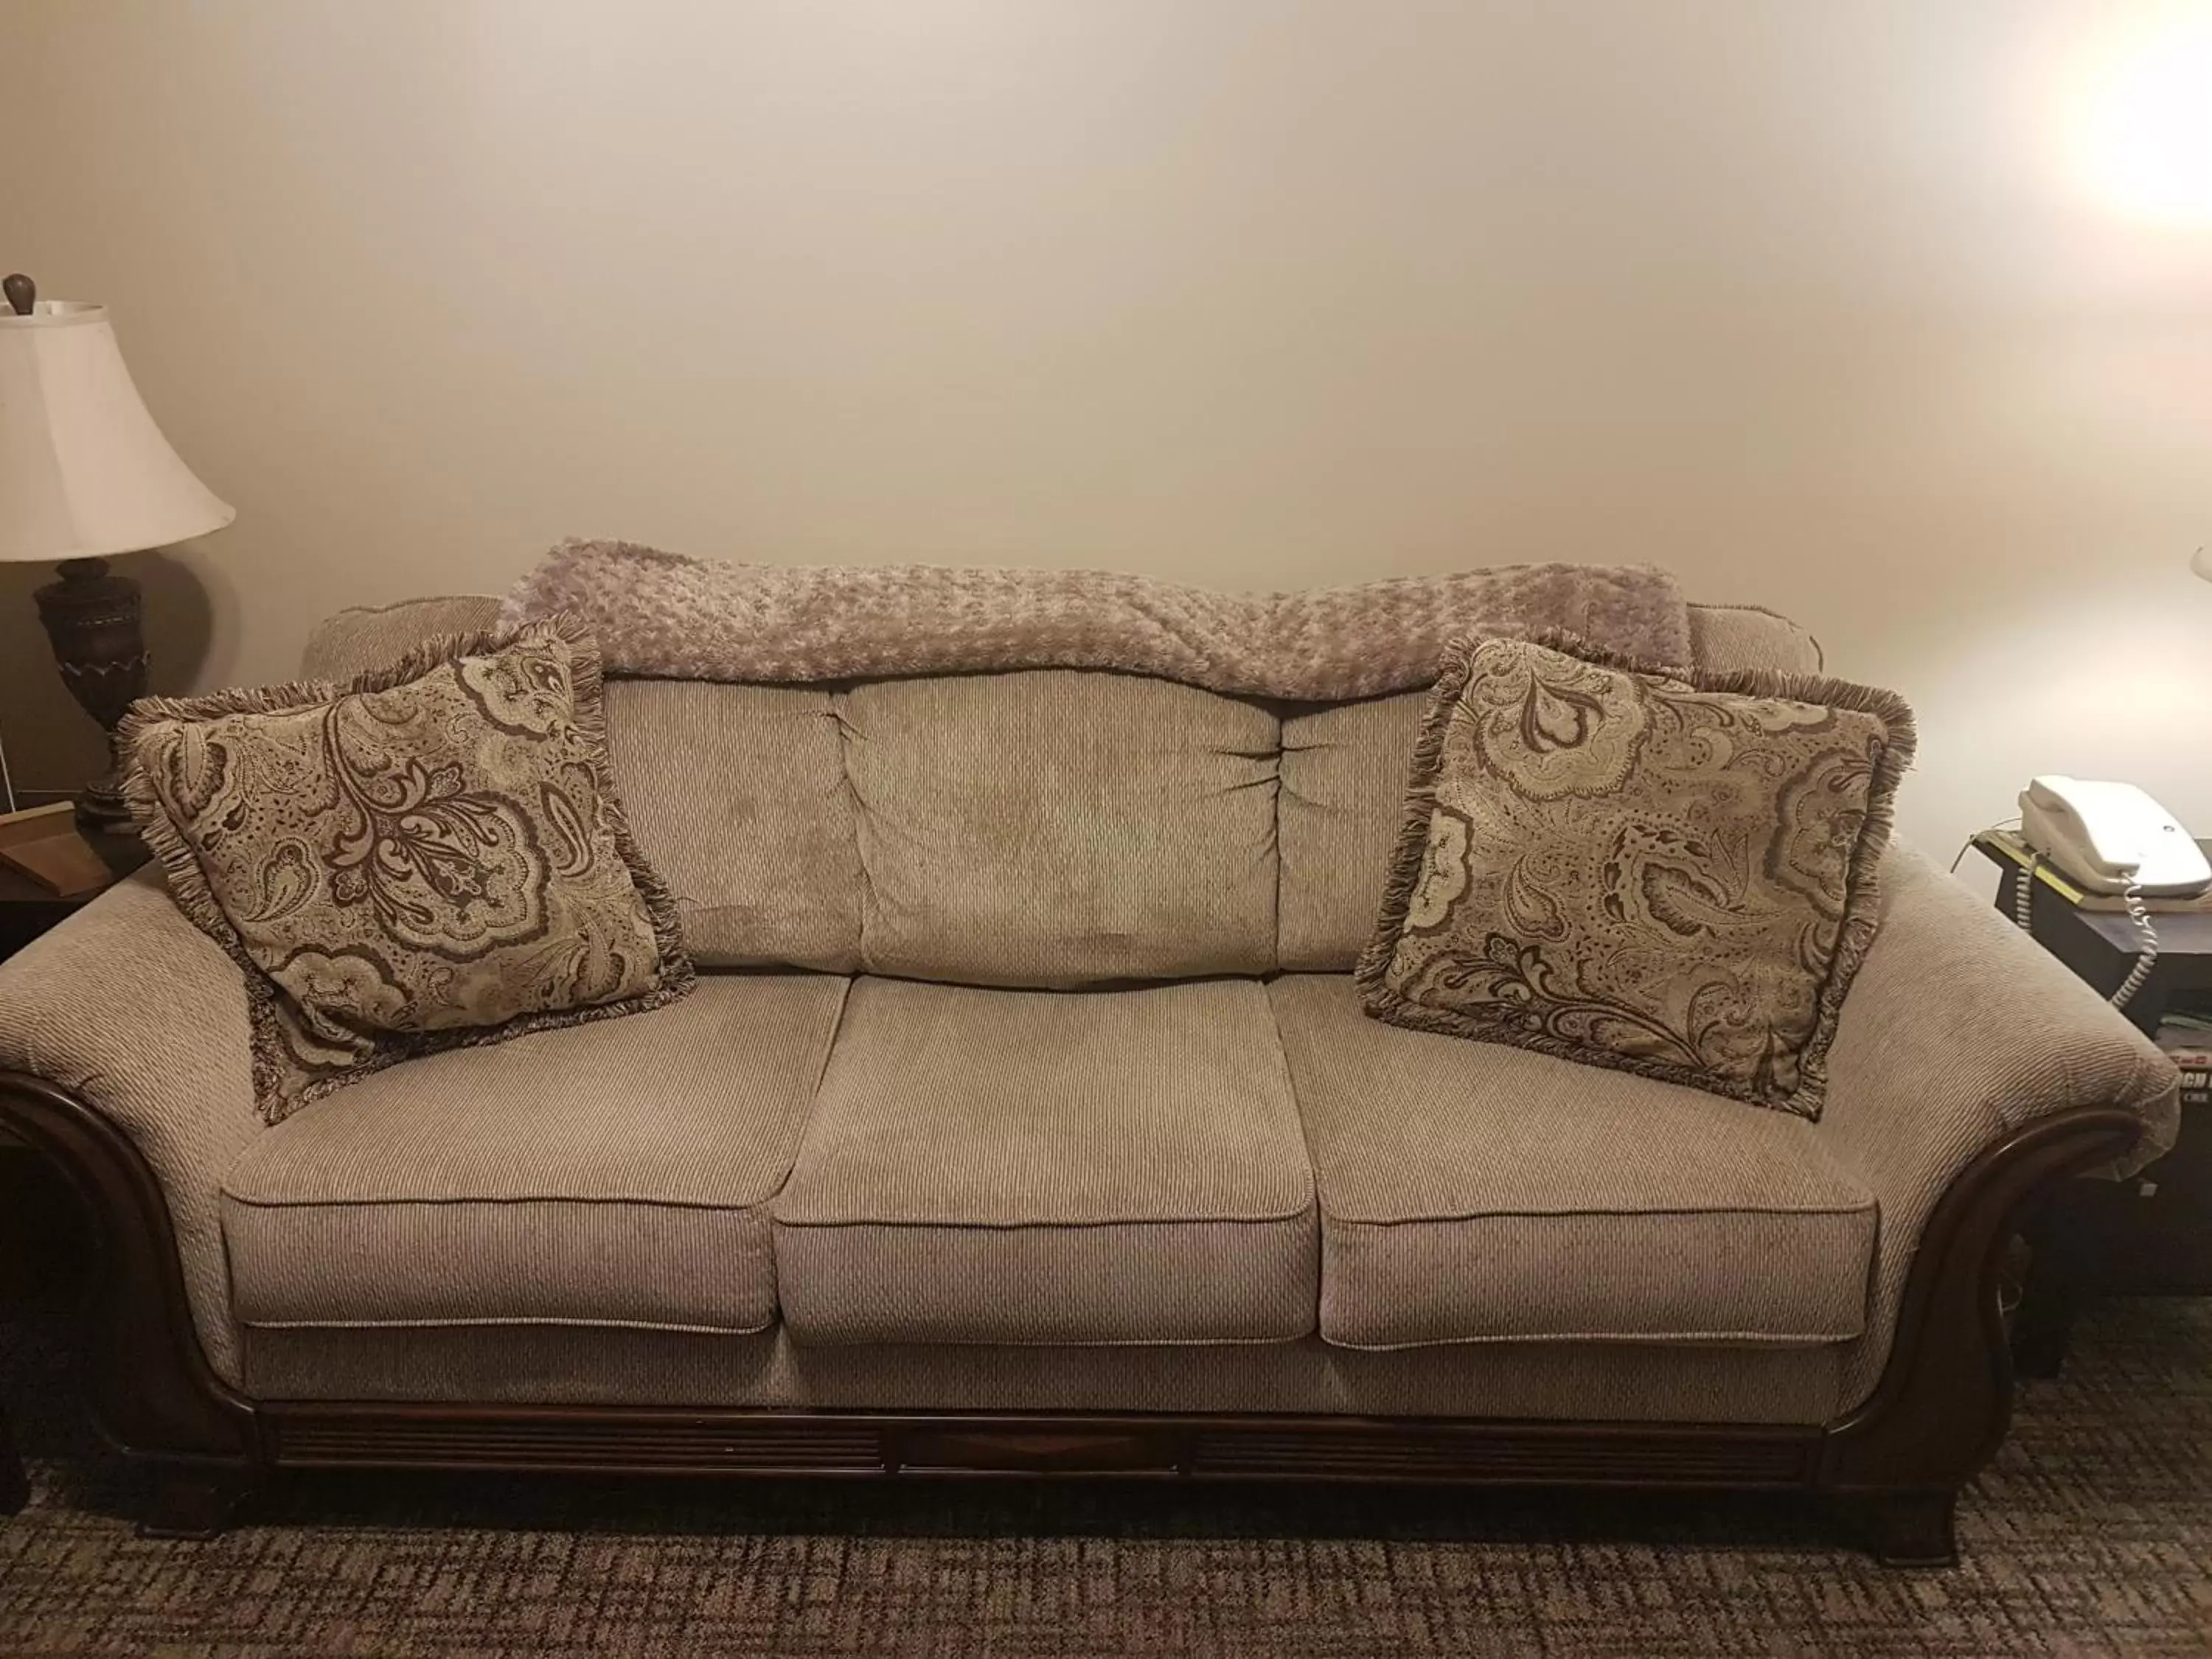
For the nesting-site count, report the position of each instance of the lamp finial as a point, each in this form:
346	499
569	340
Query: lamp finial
21	293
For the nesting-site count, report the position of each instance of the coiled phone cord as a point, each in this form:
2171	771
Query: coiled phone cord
2139	913
2023	912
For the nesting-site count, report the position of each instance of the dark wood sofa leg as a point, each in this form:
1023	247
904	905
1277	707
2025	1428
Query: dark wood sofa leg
189	1500
14	1488
2050	1295
2042	1329
1904	1529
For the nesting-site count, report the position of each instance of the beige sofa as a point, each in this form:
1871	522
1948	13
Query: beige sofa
1025	1120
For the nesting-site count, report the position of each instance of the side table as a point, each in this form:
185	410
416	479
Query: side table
27	910
2150	1235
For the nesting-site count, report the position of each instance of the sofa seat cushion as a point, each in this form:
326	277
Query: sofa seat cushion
613	1174
1473	1192
1040	1167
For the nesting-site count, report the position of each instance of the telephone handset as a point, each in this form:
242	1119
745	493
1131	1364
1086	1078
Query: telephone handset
2109	838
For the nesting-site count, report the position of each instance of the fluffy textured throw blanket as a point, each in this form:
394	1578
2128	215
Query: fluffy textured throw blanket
660	616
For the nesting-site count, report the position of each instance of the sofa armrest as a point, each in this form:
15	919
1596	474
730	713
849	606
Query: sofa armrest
141	1016
1959	1031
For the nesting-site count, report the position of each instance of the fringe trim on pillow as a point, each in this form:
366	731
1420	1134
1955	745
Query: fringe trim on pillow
194	894
1855	926
1408	860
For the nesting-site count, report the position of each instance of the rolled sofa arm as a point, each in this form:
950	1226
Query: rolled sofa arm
1960	1032
140	1015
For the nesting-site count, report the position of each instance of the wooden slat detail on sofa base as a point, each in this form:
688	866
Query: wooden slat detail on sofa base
305	1436
1056	1446
1226	1447
1521	1454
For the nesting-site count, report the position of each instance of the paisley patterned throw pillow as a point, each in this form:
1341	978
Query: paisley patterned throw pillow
432	856
1655	870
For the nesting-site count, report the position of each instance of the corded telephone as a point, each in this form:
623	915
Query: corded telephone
2110	838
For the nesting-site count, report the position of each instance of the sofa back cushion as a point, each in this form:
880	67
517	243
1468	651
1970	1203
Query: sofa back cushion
1343	799
737	794
1725	637
1049	828
1060	827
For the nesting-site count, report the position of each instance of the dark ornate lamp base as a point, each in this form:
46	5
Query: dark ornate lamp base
100	803
92	619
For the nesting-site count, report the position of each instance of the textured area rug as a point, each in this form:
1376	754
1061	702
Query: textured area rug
2091	1535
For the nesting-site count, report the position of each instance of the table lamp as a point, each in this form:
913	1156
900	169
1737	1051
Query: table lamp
85	473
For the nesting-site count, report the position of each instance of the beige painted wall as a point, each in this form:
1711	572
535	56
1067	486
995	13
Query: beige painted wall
1813	302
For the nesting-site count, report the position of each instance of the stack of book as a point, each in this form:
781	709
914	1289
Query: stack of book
2187	1040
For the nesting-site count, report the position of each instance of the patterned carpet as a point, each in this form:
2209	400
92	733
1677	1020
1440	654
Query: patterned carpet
2093	1535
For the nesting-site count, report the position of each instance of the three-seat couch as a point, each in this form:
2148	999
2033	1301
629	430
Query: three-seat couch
1025	1120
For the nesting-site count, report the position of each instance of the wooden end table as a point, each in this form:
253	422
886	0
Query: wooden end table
2150	1235
27	909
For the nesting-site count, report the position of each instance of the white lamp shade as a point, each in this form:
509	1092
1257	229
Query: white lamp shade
84	471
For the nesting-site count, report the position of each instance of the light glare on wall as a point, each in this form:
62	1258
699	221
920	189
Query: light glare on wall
2141	120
